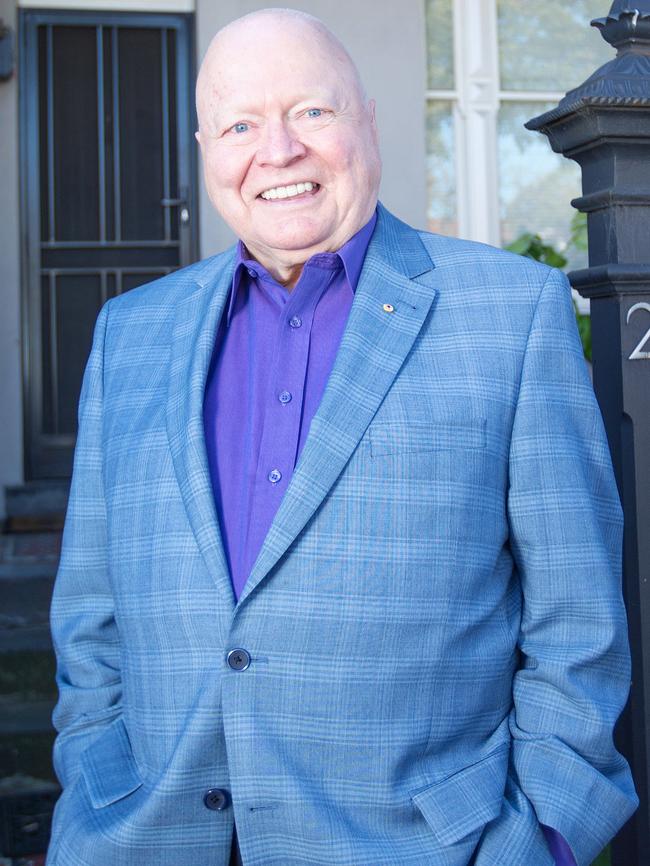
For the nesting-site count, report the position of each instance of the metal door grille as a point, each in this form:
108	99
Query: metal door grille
108	183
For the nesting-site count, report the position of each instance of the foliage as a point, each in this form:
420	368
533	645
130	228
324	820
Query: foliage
532	246
578	239
603	859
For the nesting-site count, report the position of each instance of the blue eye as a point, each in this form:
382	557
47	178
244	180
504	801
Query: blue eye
314	112
240	127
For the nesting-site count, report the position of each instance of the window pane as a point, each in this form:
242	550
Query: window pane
441	170
440	44
536	185
549	45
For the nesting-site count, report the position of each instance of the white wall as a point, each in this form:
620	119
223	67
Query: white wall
11	426
387	41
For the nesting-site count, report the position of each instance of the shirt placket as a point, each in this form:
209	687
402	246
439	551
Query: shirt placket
284	405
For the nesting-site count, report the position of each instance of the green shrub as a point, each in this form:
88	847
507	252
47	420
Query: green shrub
532	246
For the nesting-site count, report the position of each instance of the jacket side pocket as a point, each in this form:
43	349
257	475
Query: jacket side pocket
108	766
467	800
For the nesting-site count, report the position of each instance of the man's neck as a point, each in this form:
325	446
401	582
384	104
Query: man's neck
286	273
286	266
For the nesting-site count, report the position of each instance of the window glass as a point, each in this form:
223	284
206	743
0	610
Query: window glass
548	45
536	185
440	44
441	170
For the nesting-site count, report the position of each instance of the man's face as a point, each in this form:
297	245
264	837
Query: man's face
289	147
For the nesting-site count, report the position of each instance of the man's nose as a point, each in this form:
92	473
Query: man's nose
280	145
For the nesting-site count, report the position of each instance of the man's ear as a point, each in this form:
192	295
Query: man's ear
373	121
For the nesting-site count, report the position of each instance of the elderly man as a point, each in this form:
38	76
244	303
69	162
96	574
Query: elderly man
341	561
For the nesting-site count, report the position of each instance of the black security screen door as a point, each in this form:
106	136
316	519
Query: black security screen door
107	190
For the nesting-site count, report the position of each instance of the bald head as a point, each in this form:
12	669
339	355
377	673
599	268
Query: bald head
255	32
288	138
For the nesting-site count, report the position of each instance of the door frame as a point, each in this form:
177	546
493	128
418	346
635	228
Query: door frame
44	456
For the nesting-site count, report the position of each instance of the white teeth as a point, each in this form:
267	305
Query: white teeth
288	191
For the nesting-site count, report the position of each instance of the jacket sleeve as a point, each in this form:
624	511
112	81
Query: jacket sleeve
84	632
565	525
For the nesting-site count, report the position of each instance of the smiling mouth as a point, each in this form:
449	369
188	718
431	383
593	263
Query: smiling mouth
292	191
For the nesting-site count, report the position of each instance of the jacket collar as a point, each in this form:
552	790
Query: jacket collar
397	271
350	256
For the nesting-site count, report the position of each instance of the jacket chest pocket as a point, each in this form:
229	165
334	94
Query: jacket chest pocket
388	438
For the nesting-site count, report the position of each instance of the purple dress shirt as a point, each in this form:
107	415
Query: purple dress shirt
273	354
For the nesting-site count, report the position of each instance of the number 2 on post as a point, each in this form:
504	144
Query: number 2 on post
638	353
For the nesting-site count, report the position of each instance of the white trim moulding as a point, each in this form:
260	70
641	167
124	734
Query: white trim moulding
113	5
531	95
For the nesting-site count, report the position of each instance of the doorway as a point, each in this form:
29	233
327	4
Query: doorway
108	188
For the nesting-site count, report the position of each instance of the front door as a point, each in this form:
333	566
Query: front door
108	192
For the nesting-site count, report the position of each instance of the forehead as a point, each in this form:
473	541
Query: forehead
266	84
266	63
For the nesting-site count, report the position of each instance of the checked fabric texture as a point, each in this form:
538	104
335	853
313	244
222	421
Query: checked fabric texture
437	636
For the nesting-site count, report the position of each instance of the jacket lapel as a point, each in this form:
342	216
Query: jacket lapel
398	271
193	340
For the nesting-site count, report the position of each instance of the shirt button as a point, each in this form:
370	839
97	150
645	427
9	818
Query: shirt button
216	799
252	273
295	321
274	476
284	396
238	659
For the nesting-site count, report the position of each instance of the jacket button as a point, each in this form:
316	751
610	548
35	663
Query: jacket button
238	659
216	799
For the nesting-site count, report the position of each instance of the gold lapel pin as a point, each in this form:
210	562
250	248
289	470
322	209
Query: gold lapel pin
388	308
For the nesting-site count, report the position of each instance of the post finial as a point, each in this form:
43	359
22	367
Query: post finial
627	24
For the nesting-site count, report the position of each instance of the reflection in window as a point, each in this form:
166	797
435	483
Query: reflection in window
440	44
542	50
548	46
536	185
441	173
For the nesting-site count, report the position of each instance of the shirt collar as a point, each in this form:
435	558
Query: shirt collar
351	255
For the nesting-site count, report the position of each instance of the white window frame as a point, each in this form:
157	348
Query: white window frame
475	107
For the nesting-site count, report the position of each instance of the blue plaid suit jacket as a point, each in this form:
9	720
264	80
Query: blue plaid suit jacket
437	637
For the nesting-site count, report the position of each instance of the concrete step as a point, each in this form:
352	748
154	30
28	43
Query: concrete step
24	638
25	717
29	555
36	506
27	691
28	565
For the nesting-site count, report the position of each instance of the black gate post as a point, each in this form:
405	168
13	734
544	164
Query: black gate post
604	125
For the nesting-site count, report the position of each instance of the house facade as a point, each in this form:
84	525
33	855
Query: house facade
100	182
